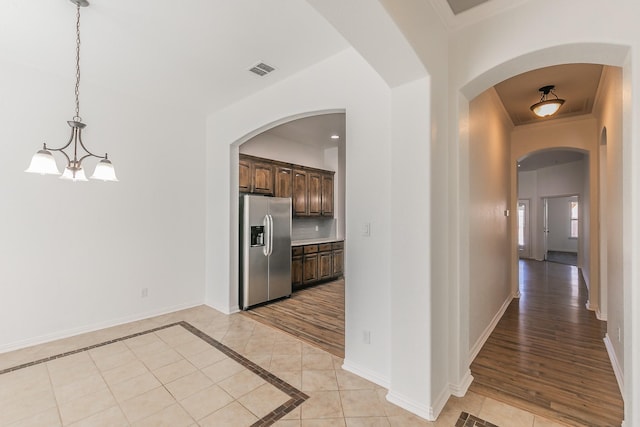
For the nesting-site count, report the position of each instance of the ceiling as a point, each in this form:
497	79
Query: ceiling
314	130
577	84
199	56
196	55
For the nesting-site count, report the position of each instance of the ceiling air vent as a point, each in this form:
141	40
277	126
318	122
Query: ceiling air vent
261	69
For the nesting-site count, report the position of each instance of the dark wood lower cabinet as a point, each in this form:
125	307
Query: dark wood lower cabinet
325	267
338	262
310	268
296	271
311	264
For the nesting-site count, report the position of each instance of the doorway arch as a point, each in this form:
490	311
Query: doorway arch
234	259
565	178
600	53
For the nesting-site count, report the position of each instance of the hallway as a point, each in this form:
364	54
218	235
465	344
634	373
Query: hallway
547	354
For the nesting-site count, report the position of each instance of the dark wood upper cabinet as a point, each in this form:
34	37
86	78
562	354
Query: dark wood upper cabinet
284	182
310	189
300	185
262	178
244	175
315	194
327	195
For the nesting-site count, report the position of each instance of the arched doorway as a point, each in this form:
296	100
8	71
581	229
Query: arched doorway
469	92
233	179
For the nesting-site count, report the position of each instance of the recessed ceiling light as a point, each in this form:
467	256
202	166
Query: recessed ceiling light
335	136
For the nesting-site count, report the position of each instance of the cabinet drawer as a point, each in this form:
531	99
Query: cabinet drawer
296	250
325	247
310	249
338	245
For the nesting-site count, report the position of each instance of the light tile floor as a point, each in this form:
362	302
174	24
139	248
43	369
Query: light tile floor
174	377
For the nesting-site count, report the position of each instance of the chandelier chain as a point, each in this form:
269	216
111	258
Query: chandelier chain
77	89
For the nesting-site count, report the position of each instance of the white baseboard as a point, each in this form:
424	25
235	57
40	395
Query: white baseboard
485	335
459	390
615	364
600	316
420	410
42	339
365	373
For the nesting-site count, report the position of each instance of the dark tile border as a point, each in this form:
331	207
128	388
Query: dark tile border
468	420
296	396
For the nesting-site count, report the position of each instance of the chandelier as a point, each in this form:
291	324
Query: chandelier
547	107
43	161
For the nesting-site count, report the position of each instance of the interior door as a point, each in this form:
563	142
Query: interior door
524	234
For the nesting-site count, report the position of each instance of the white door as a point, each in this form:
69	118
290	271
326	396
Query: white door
524	236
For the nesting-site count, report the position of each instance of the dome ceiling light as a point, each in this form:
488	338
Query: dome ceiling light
547	107
43	161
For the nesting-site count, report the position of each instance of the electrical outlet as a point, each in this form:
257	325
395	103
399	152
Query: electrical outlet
317	228
144	293
366	229
619	335
366	336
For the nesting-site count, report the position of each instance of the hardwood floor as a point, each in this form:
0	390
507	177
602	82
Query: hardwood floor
546	355
315	315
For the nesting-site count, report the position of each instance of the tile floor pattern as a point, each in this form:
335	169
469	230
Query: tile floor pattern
128	376
468	420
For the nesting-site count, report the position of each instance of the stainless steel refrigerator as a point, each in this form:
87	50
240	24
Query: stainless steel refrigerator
265	249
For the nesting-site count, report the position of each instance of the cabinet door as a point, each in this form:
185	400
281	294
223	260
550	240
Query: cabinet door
296	270
310	268
284	182
300	206
244	175
314	194
338	262
262	178
325	265
327	195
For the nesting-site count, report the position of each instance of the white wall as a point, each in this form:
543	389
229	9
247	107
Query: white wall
359	91
608	111
552	182
274	147
449	309
75	256
489	264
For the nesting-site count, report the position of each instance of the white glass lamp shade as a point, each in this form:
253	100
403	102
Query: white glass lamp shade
43	163
547	108
73	175
104	171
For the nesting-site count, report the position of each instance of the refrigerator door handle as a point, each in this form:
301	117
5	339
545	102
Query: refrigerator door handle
270	234
267	234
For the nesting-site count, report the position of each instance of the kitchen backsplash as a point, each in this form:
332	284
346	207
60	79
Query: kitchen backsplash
305	228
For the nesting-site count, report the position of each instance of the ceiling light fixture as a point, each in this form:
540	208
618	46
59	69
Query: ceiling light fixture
43	161
335	136
547	107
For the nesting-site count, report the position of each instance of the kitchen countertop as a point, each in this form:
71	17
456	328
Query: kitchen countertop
315	241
